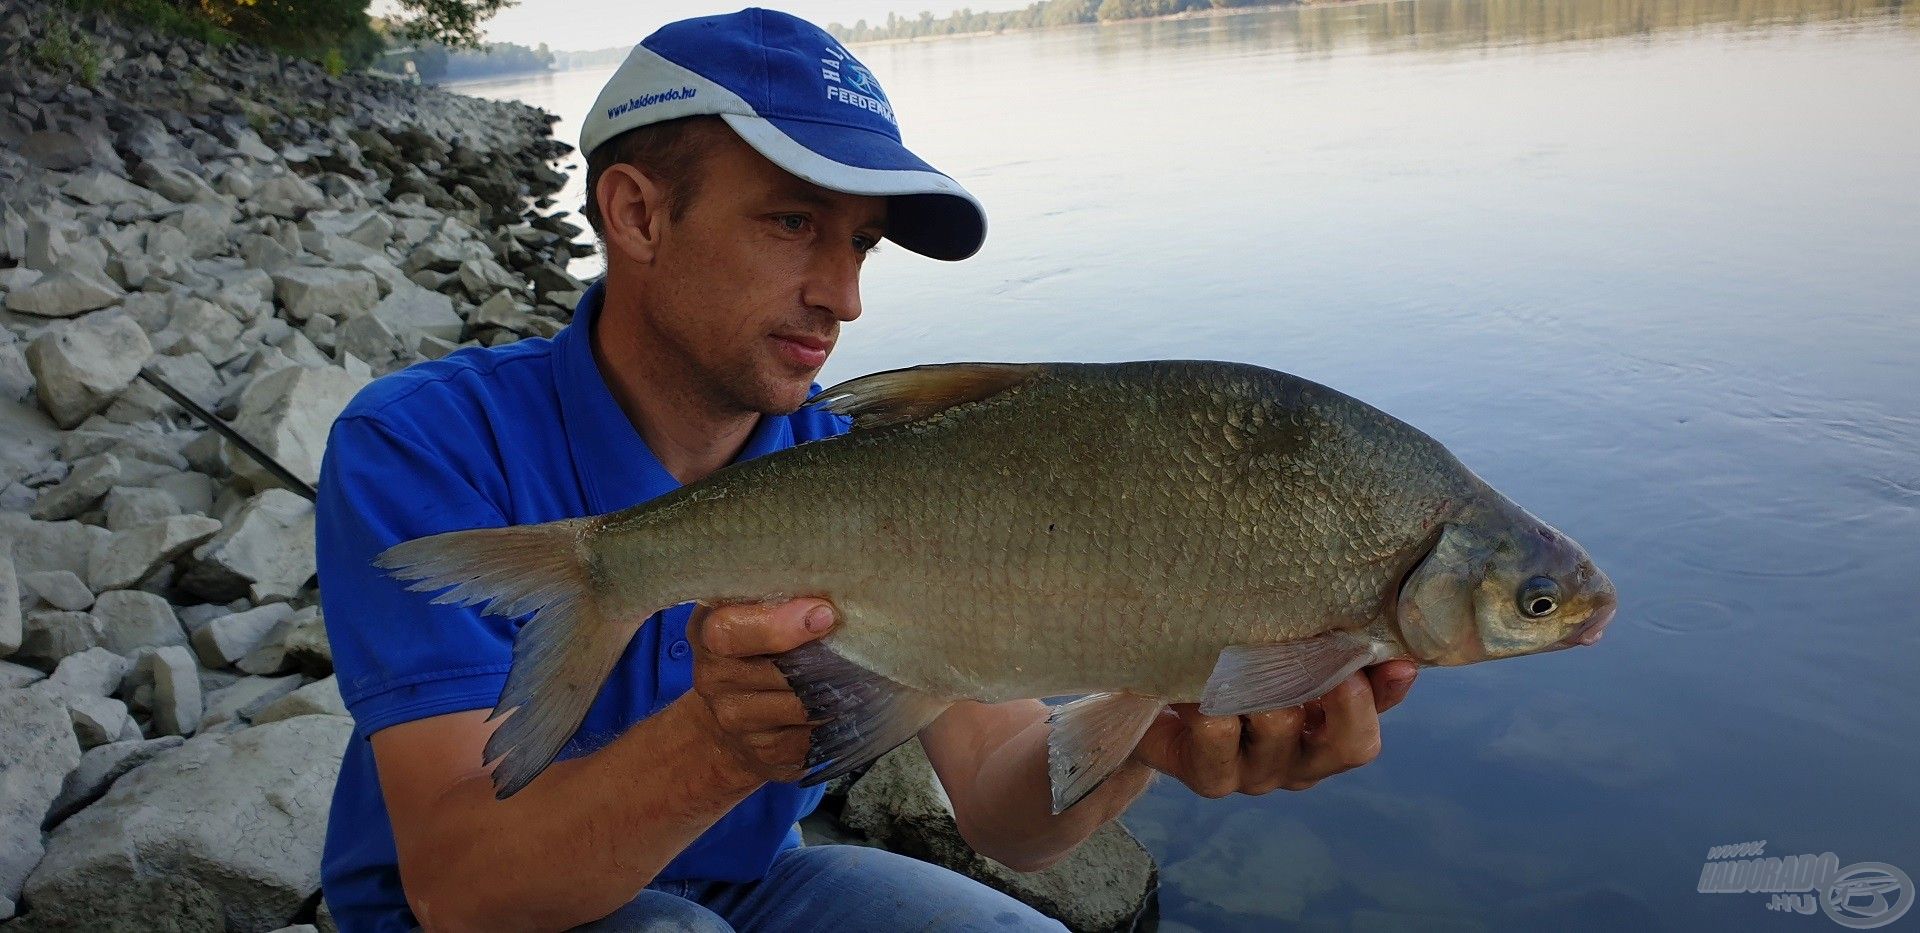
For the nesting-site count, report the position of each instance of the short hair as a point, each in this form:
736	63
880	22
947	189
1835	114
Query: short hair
670	152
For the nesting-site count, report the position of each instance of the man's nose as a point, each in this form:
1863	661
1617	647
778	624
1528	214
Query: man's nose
834	283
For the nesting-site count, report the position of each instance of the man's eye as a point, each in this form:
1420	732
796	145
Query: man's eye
792	223
866	244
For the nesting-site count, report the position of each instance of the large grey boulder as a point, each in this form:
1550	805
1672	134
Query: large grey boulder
266	553
60	589
95	672
1102	886
37	750
97	720
201	326
10	619
135	619
75	288
55	546
336	293
175	681
412	310
128	556
173	181
48	635
80	367
57	150
231	637
287	196
18	675
128	506
368	228
369	339
320	698
99	768
100	187
89	481
305	646
234	705
191	373
205	226
222	833
288	412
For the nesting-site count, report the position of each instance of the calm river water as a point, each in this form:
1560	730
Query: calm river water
1652	269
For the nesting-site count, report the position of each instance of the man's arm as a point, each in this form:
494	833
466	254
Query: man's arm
584	838
992	760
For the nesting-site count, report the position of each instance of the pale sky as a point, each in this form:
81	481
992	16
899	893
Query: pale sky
579	25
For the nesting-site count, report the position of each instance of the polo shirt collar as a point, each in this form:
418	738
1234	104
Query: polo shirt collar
613	462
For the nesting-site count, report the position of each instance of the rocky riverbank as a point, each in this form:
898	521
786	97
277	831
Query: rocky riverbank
265	239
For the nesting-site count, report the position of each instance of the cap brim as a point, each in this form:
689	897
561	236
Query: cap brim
927	212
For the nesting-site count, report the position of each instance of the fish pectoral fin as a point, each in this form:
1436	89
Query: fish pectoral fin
1252	678
860	714
904	395
1091	737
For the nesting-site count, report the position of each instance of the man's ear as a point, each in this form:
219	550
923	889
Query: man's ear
632	212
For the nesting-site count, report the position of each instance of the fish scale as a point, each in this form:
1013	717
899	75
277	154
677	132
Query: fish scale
1168	531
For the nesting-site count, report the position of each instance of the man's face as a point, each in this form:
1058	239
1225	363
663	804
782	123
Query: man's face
751	283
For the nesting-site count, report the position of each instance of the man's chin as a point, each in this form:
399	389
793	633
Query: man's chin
784	396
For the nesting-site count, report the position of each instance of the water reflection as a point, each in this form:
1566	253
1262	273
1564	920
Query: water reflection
1463	24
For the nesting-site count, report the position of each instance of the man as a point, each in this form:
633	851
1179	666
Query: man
740	168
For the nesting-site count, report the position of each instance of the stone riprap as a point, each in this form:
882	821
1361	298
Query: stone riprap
267	239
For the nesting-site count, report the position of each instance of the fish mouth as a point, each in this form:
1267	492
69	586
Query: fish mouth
1590	631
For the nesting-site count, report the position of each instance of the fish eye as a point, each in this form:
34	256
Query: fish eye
1539	597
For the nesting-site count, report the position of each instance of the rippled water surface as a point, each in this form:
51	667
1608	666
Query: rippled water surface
1652	269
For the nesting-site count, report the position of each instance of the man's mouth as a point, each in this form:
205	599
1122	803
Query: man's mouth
803	349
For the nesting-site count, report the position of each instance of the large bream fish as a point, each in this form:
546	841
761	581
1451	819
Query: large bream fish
1146	533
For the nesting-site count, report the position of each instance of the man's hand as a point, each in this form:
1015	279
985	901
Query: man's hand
1293	748
748	706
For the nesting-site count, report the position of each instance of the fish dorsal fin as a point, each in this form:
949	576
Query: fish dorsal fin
902	395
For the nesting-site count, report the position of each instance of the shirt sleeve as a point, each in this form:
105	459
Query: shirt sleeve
397	656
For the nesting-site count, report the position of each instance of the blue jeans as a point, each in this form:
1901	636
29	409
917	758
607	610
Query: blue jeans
841	888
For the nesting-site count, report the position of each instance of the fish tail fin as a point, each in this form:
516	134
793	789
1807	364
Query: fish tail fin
1090	738
861	715
561	657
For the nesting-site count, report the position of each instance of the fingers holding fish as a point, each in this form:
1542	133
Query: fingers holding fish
750	708
1350	735
1271	743
1391	681
1212	751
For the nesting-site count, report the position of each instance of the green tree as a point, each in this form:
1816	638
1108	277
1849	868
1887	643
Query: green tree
453	23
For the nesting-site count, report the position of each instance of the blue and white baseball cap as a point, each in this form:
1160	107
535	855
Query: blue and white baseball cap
794	94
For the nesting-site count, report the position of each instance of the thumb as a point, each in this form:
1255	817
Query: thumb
1158	747
747	629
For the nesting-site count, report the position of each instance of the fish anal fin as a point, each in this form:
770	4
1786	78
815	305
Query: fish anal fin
1090	738
1252	678
859	714
902	395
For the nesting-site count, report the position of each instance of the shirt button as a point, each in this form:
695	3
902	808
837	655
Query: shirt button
679	650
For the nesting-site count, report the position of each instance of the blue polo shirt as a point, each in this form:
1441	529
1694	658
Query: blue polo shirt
511	435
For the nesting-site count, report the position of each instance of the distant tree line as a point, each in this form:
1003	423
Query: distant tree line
1040	14
435	62
338	33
